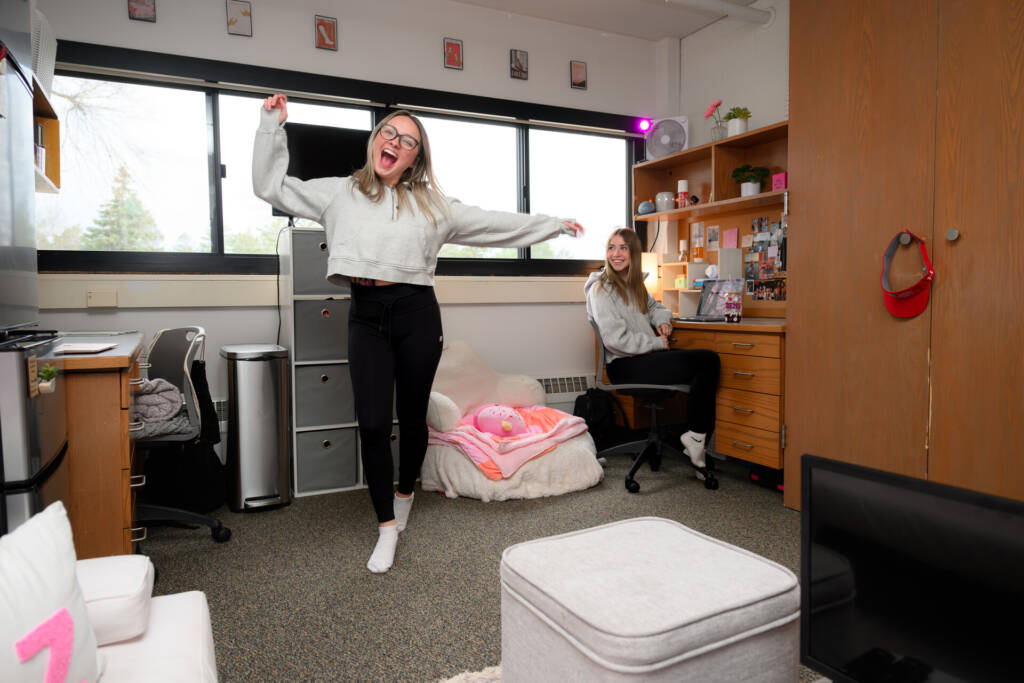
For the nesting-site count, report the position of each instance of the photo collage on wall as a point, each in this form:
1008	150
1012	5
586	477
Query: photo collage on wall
764	265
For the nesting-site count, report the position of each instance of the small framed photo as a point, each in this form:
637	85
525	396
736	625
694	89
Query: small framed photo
326	31
142	10
239	17
518	64
578	75
452	53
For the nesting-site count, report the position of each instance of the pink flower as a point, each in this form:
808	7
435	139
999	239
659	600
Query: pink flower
712	109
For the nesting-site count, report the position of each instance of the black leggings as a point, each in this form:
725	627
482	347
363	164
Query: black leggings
696	367
394	346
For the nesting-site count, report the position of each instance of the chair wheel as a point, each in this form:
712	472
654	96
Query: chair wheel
632	486
711	483
221	534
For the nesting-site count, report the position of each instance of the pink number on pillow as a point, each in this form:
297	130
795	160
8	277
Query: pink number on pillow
57	632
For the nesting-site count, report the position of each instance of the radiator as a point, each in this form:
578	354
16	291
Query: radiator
561	392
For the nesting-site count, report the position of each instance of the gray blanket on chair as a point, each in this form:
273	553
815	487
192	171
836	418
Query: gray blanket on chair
156	399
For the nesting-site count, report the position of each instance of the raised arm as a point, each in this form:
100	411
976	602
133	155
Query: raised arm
473	226
270	179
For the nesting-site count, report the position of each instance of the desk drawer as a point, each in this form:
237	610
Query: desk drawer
747	443
767	345
751	373
761	411
692	339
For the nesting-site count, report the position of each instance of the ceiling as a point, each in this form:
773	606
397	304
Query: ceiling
647	19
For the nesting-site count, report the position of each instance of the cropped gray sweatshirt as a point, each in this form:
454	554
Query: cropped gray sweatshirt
624	329
370	239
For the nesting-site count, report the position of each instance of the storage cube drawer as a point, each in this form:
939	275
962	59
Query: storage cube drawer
767	345
747	443
321	329
751	373
326	459
309	265
323	395
761	411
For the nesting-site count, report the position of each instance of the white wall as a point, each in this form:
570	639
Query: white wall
387	41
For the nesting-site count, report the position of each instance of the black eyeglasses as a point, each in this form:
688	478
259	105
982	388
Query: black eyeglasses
389	132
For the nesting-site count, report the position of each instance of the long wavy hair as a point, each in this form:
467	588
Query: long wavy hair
418	179
631	289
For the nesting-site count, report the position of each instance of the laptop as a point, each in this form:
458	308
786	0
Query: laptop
711	307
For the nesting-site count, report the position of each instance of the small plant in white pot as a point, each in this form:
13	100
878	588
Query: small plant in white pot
736	120
750	178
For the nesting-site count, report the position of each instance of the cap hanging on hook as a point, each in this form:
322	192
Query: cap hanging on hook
909	302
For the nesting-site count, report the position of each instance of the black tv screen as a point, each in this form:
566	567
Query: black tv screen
908	580
323	151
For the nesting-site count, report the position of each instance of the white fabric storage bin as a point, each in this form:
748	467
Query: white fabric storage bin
646	599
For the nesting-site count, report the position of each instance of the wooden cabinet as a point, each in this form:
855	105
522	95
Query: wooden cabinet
45	119
708	170
937	396
101	470
750	399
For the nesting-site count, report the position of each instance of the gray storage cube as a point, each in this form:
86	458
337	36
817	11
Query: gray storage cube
309	259
321	329
323	395
326	459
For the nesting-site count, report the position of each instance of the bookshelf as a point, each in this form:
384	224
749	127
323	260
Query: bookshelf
46	121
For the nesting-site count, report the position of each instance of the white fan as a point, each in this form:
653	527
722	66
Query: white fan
668	136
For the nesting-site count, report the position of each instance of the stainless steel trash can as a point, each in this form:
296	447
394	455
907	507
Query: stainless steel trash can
259	452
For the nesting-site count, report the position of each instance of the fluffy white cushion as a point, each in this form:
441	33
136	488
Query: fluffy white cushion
39	596
464	378
117	592
442	413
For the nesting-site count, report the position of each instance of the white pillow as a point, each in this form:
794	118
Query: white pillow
117	592
42	605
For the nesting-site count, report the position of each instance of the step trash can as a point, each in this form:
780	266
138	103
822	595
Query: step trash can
259	449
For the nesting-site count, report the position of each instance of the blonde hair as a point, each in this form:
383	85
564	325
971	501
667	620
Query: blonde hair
633	286
418	178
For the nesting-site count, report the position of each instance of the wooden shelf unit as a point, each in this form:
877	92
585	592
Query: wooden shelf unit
47	178
708	169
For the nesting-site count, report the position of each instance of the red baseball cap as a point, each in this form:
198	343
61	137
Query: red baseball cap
906	303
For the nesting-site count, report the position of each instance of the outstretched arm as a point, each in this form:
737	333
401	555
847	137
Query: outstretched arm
476	227
270	179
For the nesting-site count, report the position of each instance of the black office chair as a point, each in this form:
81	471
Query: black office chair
650	449
170	357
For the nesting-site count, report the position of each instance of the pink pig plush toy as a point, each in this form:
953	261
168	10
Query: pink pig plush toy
498	419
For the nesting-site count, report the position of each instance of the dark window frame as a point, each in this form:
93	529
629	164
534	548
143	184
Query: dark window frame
206	75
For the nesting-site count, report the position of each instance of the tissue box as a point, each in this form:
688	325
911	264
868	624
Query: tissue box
779	181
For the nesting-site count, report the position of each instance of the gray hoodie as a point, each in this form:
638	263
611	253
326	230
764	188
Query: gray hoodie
372	240
624	329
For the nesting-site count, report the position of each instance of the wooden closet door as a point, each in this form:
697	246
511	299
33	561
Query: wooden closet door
861	153
977	302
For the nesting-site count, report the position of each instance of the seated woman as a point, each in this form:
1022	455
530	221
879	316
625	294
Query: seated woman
636	328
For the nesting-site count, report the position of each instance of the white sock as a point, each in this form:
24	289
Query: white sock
693	443
402	508
384	553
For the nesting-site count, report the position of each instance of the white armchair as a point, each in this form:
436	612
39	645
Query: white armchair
463	382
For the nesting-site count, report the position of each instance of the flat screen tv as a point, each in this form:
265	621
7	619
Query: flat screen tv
323	151
908	580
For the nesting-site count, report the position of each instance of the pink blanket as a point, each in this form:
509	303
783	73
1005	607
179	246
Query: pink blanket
500	456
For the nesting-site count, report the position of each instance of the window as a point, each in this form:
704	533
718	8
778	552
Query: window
578	176
249	227
134	169
476	164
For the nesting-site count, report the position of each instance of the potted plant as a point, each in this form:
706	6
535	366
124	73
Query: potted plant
47	377
750	178
736	120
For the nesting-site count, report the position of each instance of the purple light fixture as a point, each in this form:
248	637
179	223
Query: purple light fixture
644	125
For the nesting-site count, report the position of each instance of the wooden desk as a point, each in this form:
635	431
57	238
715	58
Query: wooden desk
99	399
751	393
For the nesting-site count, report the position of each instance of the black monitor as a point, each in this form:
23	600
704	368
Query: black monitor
908	580
323	151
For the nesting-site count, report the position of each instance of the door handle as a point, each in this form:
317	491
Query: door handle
742	374
748	446
747	411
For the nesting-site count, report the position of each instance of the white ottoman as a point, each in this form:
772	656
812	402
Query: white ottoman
646	599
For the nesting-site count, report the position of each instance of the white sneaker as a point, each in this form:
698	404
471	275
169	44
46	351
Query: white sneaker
693	444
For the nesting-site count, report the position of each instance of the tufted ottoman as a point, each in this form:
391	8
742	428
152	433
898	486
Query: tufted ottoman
645	599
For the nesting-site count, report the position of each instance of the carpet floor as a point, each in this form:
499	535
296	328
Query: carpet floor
291	598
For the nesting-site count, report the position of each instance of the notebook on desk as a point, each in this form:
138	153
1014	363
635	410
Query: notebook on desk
711	306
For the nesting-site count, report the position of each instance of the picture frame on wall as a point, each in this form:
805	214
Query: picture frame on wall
453	53
326	32
518	64
239	17
142	10
577	75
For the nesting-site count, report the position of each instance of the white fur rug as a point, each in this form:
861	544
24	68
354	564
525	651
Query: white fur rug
491	673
